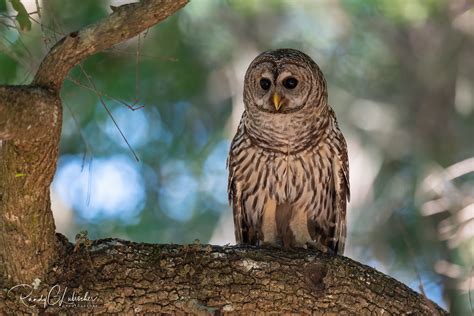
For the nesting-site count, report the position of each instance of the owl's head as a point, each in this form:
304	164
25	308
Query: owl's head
284	81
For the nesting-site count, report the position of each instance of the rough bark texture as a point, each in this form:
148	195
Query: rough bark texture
30	118
26	112
126	277
113	276
30	127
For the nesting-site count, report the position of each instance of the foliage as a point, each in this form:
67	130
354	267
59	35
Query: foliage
22	16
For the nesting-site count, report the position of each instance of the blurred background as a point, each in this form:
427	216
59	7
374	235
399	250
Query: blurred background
148	123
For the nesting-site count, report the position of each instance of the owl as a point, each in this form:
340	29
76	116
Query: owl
288	168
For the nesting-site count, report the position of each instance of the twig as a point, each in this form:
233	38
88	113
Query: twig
118	51
4	48
137	71
24	47
88	152
470	289
8	25
92	84
38	9
418	275
80	84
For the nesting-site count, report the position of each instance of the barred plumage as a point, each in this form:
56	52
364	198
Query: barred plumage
288	167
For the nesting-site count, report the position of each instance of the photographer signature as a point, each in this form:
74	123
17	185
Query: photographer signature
56	296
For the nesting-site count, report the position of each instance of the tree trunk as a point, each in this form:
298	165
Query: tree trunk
30	120
118	276
30	127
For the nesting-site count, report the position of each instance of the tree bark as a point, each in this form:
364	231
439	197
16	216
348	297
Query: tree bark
124	277
116	276
125	22
30	127
30	120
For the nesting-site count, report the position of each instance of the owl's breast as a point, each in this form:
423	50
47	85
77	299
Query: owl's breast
302	176
285	178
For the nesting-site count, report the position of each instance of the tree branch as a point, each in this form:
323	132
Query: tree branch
128	277
125	22
30	127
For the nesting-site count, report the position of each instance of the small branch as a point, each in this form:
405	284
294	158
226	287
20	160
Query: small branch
93	86
101	94
24	113
125	22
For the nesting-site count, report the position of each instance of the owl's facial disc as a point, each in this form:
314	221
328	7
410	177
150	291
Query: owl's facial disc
279	87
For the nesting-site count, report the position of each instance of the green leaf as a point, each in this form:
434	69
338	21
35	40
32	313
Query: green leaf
22	16
19	175
9	67
3	6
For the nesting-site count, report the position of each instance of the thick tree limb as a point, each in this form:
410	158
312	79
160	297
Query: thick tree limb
125	22
30	127
127	277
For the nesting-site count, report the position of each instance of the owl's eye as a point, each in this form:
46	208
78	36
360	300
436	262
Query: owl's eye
265	83
290	83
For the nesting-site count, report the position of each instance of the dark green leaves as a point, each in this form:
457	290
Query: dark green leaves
22	16
3	6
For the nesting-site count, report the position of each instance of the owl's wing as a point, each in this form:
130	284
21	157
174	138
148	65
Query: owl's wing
341	181
235	197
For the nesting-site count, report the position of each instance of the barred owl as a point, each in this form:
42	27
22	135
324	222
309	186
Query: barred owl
288	169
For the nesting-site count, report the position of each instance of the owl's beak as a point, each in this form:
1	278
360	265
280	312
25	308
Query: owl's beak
277	101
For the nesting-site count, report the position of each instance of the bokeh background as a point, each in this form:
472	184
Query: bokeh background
148	123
